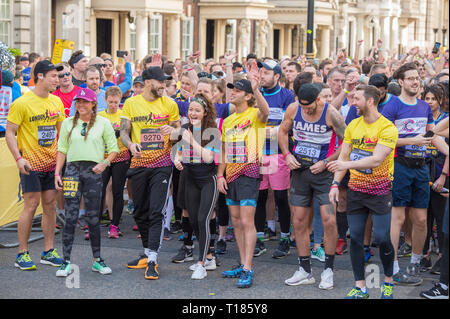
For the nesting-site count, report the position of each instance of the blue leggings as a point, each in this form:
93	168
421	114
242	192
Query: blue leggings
382	233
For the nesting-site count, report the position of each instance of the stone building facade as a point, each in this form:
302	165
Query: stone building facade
177	27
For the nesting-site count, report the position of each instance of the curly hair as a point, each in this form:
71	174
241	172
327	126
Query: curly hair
209	120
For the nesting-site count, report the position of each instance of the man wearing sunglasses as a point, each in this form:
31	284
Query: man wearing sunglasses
67	90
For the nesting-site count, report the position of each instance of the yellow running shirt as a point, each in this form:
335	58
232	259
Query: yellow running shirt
243	135
363	138
124	154
36	137
146	119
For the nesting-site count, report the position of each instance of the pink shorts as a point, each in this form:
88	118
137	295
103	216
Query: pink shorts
276	174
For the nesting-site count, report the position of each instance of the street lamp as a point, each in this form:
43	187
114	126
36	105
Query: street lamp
310	31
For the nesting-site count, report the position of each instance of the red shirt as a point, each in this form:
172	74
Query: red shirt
67	98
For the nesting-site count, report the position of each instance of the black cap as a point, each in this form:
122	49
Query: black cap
243	85
44	66
308	93
139	79
24	58
155	73
379	80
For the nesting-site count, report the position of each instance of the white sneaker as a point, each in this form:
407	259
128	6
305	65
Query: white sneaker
64	270
209	265
301	277
326	279
199	272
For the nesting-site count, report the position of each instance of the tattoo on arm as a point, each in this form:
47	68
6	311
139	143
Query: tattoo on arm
329	209
338	123
125	129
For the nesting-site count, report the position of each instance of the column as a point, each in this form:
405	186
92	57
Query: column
324	42
174	40
360	34
395	38
385	27
202	39
219	38
288	40
141	35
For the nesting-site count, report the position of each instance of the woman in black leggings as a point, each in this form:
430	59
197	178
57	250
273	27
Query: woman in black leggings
200	143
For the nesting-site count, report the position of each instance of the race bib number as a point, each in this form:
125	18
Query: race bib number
46	135
236	152
358	154
414	151
190	156
152	139
70	187
308	152
432	151
276	116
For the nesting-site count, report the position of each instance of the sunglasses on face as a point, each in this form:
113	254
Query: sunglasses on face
83	130
100	65
63	75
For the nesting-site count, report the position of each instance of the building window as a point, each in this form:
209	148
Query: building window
155	34
187	37
230	31
6	22
133	40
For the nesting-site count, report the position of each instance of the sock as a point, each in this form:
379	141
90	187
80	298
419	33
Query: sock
147	252
396	267
81	212
153	256
61	212
444	286
260	235
284	235
271	225
305	263
415	259
364	290
329	261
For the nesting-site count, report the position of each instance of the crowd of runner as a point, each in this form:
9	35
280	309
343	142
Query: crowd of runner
219	151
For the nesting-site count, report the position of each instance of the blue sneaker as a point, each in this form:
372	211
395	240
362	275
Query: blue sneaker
130	207
246	279
24	262
367	255
357	293
234	272
51	258
386	291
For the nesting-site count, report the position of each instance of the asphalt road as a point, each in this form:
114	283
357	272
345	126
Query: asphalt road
175	281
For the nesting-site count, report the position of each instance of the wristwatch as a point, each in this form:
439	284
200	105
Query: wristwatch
335	183
325	161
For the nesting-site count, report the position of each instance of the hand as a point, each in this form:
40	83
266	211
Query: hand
127	57
352	81
166	130
253	75
134	150
444	194
438	184
99	168
337	165
379	43
318	168
222	185
58	183
292	162
187	136
420	140
413	51
156	60
230	57
359	43
177	163
334	194
186	94
24	166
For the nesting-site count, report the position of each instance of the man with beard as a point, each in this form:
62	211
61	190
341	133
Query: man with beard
367	153
150	118
413	118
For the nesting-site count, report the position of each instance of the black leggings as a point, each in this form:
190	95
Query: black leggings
284	212
223	213
175	182
118	172
200	199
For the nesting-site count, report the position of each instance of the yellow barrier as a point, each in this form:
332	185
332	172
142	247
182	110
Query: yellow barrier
11	204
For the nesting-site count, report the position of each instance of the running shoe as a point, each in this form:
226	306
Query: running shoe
436	269
292	243
151	272
139	263
260	248
210	264
357	293
326	279
24	262
413	269
51	258
221	247
100	267
270	235
166	235
230	234
387	291
405	250
318	254
184	254
64	269
246	279
300	277
425	264
199	272
130	207
176	227
367	254
282	250
113	231
341	246
234	272
86	234
135	228
437	292
404	279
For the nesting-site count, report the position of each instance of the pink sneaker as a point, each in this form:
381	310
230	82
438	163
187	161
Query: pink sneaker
135	228
113	232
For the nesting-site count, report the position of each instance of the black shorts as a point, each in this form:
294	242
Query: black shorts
305	186
345	180
243	187
358	203
37	182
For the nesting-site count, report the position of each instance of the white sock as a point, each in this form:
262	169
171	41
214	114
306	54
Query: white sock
271	225
260	235
396	267
147	252
81	212
444	286
364	290
152	256
415	259
169	212
284	235
61	212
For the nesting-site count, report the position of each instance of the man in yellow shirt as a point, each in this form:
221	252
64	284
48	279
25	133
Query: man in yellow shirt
36	119
367	153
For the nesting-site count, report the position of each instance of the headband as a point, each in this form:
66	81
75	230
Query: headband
77	59
200	101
